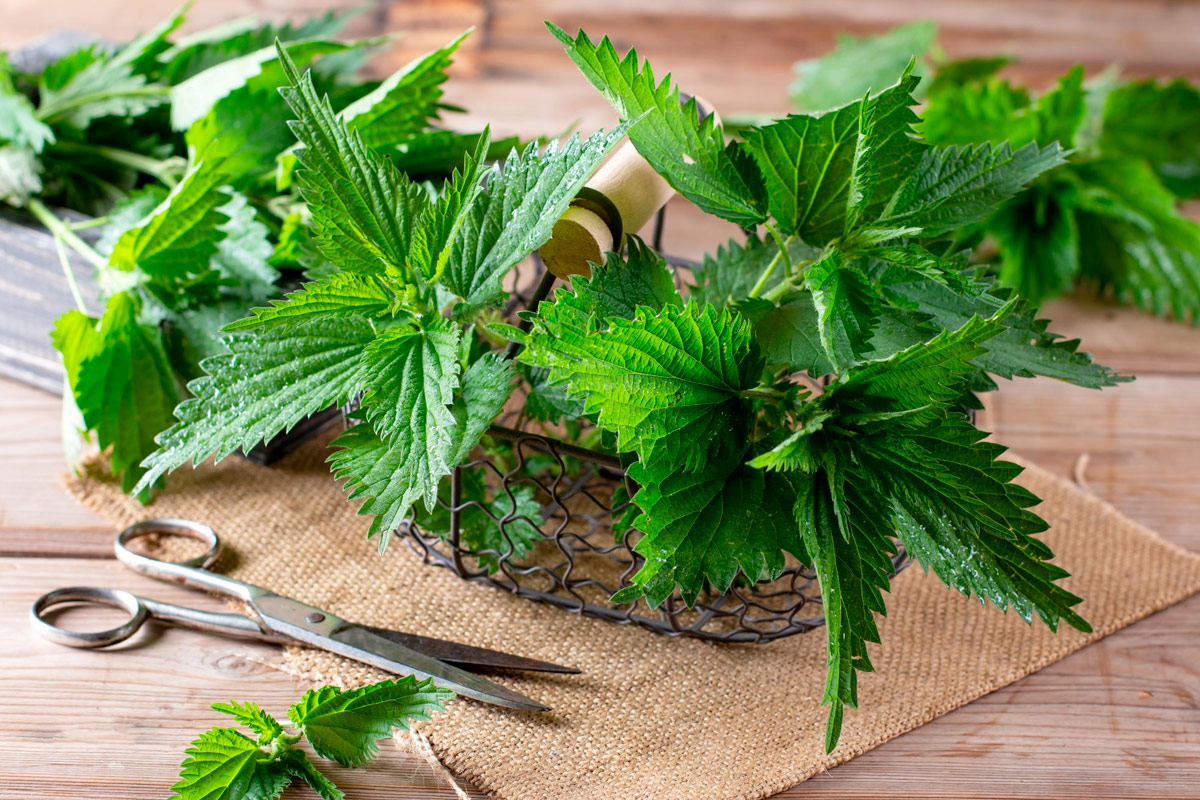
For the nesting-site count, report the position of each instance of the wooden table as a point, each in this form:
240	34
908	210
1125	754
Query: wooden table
1120	719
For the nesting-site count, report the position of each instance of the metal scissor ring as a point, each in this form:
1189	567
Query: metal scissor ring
114	598
170	525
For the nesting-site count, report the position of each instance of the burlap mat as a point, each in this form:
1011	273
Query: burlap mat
652	717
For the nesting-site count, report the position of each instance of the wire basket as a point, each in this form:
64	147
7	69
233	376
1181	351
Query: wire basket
585	553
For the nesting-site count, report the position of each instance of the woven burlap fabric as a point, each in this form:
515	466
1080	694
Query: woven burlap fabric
652	717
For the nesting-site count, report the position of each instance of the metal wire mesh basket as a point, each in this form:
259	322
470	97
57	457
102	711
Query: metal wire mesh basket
585	551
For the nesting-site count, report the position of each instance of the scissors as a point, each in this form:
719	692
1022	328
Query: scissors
279	619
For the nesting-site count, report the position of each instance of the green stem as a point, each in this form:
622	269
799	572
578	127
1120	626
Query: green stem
60	230
87	224
766	274
65	261
764	394
154	167
783	246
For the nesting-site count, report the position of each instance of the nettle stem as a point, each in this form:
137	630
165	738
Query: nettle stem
159	169
64	235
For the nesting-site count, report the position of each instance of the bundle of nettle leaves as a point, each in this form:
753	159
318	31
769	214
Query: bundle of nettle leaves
183	149
850	272
1108	219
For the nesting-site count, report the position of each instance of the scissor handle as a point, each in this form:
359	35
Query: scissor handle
192	572
89	594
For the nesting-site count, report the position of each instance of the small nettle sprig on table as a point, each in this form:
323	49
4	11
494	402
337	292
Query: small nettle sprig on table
856	282
341	726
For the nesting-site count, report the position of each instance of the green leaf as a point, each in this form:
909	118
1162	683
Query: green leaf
689	152
1025	349
486	385
340	294
1159	122
413	372
952	187
123	383
546	401
363	210
624	284
405	103
707	524
128	213
196	52
441	221
847	309
253	717
296	763
824	173
265	385
667	382
20	174
226	765
244	251
105	86
247	128
1038	241
516	212
1135	240
857	66
851	548
789	333
435	153
196	96
966	71
181	235
343	725
19	124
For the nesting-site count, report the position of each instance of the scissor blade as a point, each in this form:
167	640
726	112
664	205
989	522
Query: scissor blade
376	650
313	626
465	655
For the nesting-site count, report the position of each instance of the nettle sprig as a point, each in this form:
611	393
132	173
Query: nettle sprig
804	399
183	147
1108	218
341	726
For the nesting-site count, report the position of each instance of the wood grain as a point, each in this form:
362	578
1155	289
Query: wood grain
1119	719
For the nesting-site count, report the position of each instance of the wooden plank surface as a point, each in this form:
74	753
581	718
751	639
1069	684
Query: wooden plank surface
1120	719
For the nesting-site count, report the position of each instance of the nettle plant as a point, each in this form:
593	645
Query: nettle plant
1108	219
182	151
805	401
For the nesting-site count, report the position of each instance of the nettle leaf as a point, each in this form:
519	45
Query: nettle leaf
706	524
180	236
952	187
515	214
247	128
244	251
363	210
101	86
340	294
441	221
851	548
966	71
1025	349
122	381
824	173
434	153
735	269
393	474
405	102
667	382
20	174
343	725
847	309
998	112
253	717
206	48
689	152
640	278
224	764
1135	240
196	96
19	124
855	66
295	763
1160	123
789	333
413	372
1038	239
266	384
